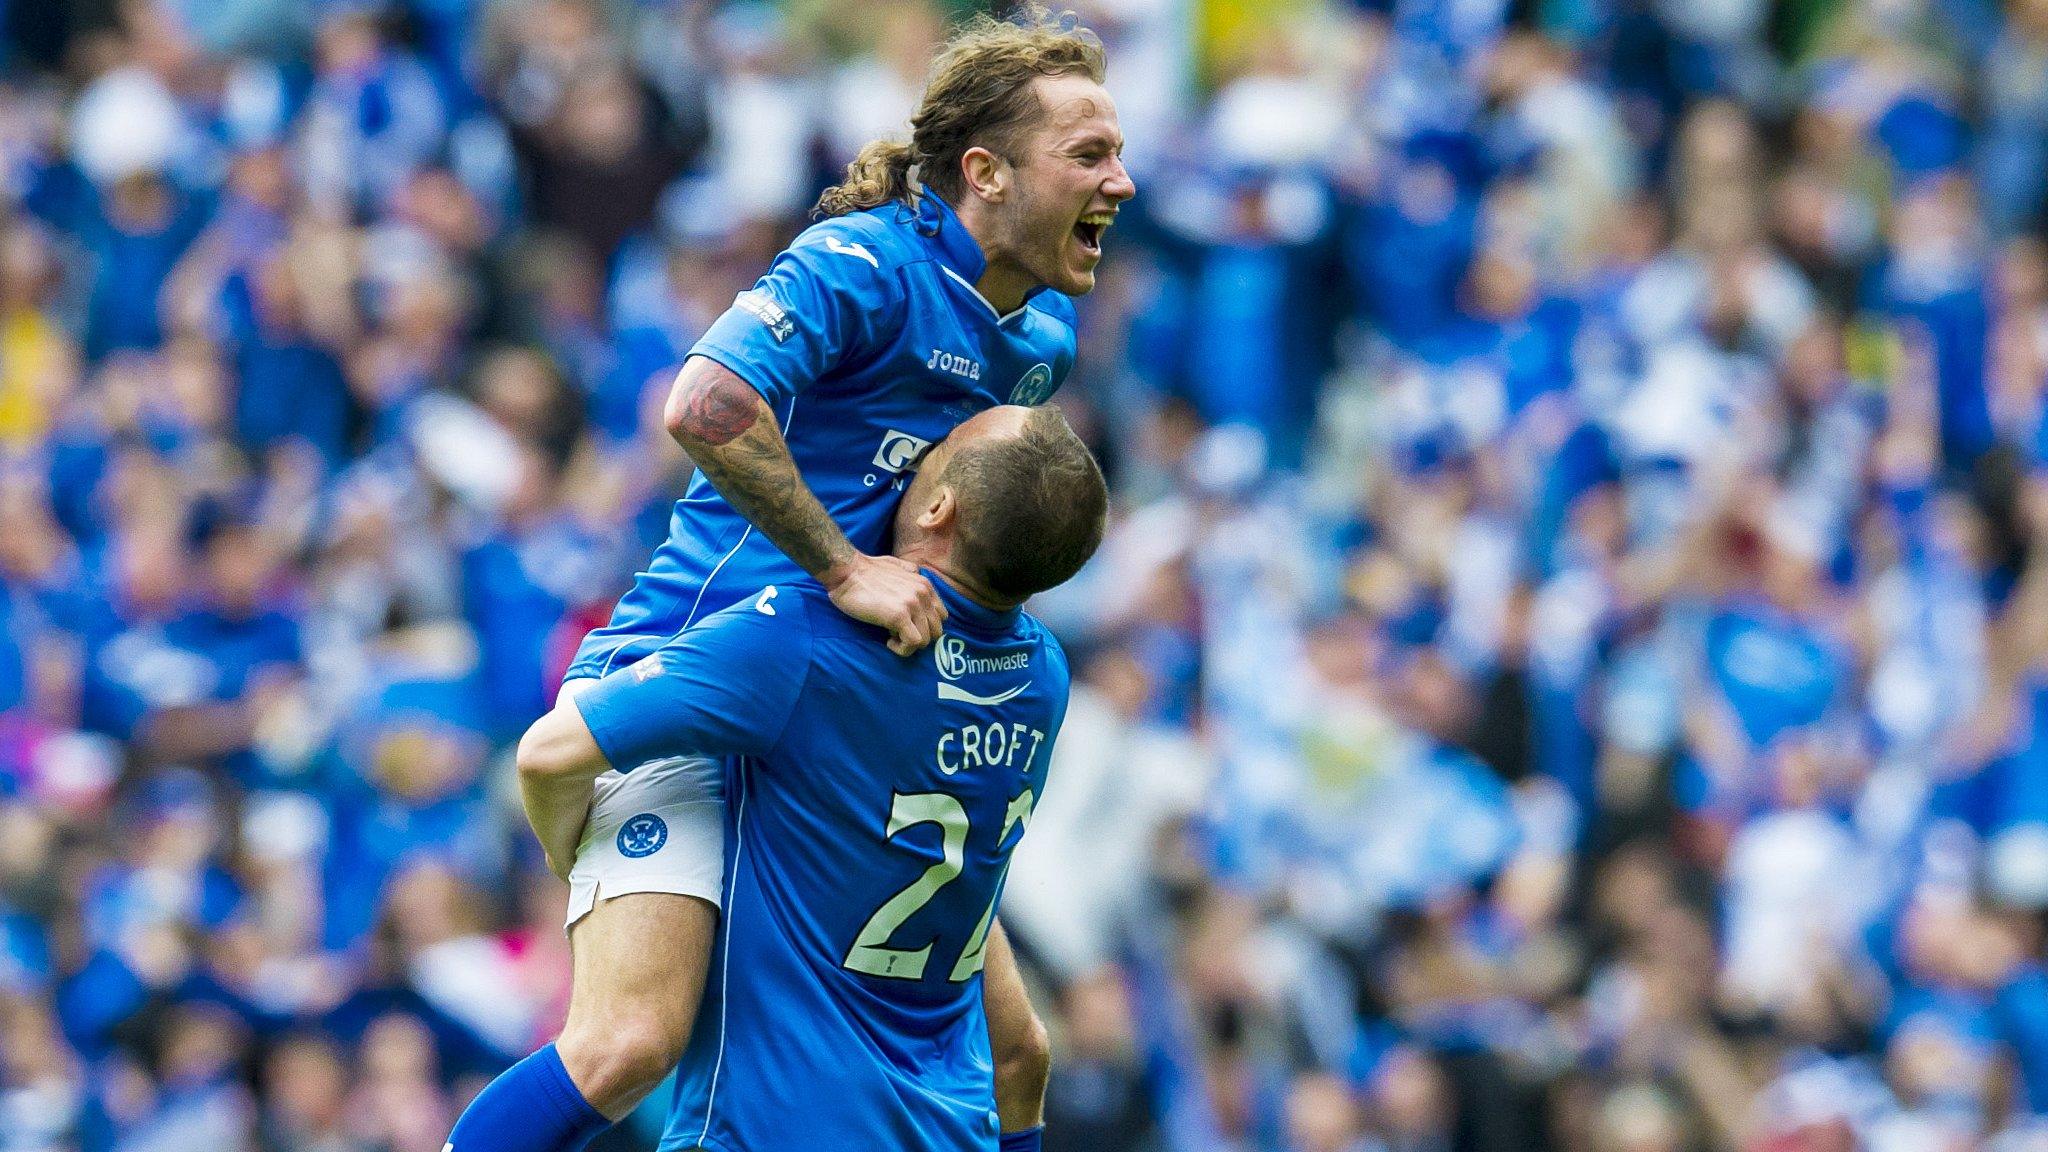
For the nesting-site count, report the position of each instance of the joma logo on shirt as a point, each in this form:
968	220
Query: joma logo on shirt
959	366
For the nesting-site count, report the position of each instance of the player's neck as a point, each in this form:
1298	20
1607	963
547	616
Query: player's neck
1004	288
1004	283
967	586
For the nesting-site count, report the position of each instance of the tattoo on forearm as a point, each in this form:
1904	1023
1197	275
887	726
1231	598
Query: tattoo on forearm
755	475
718	410
719	422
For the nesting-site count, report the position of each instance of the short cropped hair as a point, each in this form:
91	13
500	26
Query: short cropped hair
1035	506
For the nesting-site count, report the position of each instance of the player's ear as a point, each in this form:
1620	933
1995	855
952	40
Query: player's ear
939	512
987	174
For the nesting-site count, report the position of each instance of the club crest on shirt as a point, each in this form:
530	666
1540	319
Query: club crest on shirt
1034	388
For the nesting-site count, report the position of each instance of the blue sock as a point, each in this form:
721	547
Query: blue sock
1029	1140
532	1106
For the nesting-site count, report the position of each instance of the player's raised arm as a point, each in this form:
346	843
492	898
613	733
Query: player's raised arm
731	435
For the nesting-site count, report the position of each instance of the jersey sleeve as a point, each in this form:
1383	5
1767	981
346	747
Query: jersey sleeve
1065	344
1053	339
832	297
1059	680
725	687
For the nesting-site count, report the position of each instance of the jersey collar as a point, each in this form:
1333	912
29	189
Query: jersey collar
976	617
958	252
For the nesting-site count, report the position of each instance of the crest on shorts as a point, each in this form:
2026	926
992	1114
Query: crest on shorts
643	835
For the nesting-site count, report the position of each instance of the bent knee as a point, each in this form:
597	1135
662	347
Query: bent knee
1026	1051
616	1063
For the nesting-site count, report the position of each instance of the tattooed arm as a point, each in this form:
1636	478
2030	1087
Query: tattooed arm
730	434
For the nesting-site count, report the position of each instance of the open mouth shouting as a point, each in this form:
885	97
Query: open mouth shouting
1089	231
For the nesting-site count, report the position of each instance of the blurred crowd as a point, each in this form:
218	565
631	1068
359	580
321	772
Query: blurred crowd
1568	671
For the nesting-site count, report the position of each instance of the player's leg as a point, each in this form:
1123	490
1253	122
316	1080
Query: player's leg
639	971
532	1106
643	908
1023	1054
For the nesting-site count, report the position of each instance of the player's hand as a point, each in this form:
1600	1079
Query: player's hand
890	593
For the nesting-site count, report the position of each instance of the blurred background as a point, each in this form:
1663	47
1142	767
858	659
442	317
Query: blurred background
1568	671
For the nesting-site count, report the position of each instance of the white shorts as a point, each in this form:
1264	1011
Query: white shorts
658	828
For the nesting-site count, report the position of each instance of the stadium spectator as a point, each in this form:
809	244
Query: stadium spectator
1565	674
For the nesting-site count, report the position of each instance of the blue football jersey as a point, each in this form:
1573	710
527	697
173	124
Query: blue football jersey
873	802
869	342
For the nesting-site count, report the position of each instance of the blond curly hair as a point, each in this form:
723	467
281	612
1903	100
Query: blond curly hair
979	95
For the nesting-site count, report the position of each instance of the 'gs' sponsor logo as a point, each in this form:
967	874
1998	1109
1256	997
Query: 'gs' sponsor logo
900	451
